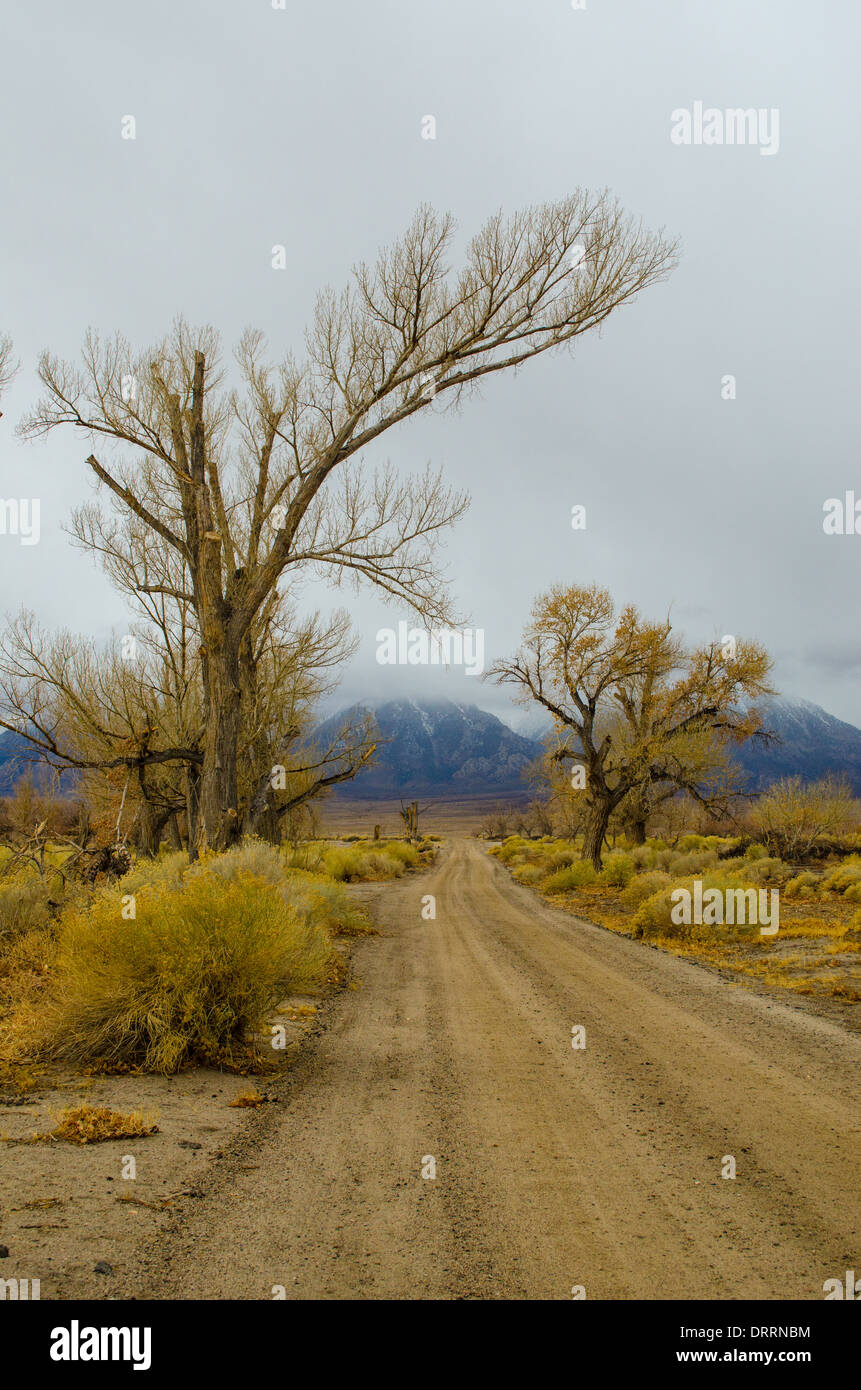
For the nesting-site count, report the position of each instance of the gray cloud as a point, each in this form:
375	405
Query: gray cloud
302	127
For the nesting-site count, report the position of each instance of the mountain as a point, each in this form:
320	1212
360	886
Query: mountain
17	758
442	747
435	747
811	743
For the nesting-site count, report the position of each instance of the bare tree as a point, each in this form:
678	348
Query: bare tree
792	818
410	816
240	483
129	722
8	367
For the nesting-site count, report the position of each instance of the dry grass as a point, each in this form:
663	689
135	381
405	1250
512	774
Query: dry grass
26	965
192	976
93	1124
817	952
210	950
248	1100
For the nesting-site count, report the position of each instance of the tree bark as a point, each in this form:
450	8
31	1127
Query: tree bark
150	825
173	834
637	831
219	825
597	820
191	778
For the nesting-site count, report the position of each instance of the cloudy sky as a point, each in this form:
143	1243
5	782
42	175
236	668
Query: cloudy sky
302	126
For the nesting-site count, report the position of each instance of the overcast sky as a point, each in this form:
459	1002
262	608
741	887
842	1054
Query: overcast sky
302	126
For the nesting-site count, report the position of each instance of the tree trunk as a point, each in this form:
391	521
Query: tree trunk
191	779
269	827
173	834
151	822
637	831
597	820
150	825
219	825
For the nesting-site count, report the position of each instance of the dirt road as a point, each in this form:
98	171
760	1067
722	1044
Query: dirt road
555	1167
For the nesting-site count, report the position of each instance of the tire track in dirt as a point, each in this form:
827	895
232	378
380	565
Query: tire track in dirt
555	1167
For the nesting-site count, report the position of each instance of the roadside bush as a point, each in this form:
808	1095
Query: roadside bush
844	876
378	865
323	904
344	865
804	885
561	859
653	917
695	862
644	857
195	973
359	863
688	843
575	876
764	869
509	848
254	857
397	849
643	886
529	874
306	857
166	871
26	960
735	863
618	869
25	904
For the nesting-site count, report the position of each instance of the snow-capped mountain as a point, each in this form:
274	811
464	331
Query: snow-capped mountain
434	746
459	748
809	743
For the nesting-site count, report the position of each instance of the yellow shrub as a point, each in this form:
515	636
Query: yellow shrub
167	870
643	886
804	885
575	876
845	876
95	1124
653	917
196	970
322	902
355	864
618	869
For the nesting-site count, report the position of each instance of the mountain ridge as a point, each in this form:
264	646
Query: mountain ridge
810	743
447	747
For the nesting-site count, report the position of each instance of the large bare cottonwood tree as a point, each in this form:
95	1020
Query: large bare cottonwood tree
249	485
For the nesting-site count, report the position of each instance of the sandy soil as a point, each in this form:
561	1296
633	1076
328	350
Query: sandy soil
66	1208
555	1167
446	815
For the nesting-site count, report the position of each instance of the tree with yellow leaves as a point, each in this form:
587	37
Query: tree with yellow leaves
633	708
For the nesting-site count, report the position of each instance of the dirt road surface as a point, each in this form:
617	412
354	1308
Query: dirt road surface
555	1167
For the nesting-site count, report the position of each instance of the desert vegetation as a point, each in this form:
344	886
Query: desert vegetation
156	906
177	960
637	714
817	951
222	495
